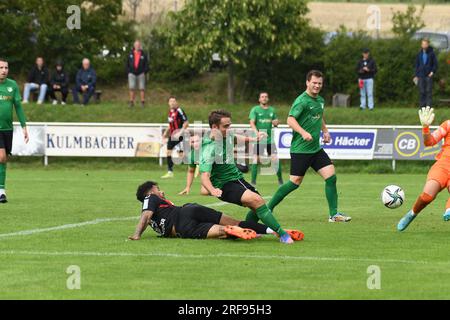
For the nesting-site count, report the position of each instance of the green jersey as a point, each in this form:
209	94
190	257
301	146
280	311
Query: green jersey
9	97
218	159
263	119
308	112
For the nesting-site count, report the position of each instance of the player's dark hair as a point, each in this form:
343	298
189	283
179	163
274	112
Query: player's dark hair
3	59
262	92
171	97
216	116
315	73
142	190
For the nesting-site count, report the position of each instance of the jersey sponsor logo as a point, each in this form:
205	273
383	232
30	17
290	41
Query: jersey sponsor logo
10	89
5	98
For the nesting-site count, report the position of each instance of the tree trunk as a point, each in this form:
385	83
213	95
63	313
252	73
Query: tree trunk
231	83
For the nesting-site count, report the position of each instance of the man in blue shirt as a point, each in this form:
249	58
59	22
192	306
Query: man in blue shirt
85	83
426	67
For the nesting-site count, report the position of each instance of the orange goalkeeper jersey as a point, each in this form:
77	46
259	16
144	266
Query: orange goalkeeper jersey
443	132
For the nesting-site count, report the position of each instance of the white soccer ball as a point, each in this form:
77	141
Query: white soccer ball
393	196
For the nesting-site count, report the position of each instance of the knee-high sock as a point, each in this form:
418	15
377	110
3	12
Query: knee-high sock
279	172
254	171
422	201
331	194
269	220
251	216
259	228
170	163
2	175
281	193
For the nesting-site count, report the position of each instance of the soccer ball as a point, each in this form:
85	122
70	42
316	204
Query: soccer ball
393	196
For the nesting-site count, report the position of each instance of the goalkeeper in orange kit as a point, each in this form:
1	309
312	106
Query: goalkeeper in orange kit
438	177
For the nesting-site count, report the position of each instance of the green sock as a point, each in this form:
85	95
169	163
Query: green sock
281	193
279	173
2	175
252	216
254	172
269	220
331	193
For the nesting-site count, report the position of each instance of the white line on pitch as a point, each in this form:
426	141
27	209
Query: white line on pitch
211	256
65	226
86	223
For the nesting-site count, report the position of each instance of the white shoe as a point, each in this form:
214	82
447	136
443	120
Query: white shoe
39	102
63	103
24	101
55	102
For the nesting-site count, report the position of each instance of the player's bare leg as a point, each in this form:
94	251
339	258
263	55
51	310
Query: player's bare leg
430	190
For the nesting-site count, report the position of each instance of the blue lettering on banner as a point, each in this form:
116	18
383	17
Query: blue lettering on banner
89	142
339	140
351	140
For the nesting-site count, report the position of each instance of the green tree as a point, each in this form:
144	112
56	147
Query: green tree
405	24
239	32
41	29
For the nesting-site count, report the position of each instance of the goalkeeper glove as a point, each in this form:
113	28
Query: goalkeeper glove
426	116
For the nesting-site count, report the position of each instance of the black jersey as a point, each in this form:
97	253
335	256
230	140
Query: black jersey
165	214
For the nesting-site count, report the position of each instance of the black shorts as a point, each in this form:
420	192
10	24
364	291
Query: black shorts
258	149
172	143
232	191
194	221
300	162
6	139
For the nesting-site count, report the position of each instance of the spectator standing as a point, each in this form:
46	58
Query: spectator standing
366	69
59	81
86	81
426	67
37	80
137	68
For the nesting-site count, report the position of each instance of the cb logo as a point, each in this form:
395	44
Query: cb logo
407	144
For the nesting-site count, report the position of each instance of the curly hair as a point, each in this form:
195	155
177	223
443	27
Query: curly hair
142	190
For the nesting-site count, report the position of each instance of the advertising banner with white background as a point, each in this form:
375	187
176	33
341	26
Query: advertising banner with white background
35	146
102	141
346	144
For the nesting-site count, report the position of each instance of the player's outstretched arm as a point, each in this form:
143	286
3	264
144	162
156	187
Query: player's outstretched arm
426	117
142	225
189	181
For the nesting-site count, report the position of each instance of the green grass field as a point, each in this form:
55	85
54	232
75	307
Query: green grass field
100	208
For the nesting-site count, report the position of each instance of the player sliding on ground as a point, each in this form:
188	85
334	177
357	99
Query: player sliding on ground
9	98
438	177
222	179
306	120
189	221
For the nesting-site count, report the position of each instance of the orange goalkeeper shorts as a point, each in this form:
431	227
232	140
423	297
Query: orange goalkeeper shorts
440	171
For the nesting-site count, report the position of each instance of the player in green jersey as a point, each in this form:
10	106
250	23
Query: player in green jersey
222	179
9	98
262	118
306	120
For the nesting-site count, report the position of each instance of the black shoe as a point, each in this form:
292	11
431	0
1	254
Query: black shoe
131	104
143	104
3	198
